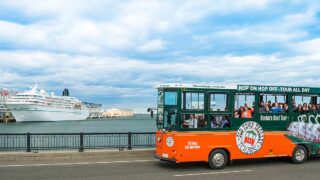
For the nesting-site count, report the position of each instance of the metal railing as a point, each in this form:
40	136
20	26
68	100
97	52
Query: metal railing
31	142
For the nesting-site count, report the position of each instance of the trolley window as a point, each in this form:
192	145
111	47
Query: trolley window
273	103
244	105
160	97
160	118
218	102
305	104
170	98
193	100
219	121
193	121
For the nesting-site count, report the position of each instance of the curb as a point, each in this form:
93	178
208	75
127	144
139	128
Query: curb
71	155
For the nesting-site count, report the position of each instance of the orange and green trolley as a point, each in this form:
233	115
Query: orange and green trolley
219	124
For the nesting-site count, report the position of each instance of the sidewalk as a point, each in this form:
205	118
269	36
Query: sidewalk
74	156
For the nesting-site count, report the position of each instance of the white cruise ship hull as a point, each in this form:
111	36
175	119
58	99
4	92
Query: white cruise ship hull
25	113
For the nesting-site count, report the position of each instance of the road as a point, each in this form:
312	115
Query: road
147	168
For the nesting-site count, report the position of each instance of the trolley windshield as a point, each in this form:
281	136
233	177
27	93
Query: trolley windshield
167	109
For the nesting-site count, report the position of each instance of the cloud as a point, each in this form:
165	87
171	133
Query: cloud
152	45
80	27
311	46
116	52
111	78
20	35
112	71
279	34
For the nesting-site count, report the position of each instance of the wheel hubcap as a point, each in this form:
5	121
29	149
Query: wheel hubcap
300	155
218	159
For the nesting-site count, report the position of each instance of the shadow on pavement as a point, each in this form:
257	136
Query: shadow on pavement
236	164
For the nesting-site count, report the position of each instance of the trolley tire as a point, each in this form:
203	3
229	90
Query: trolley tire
218	159
299	155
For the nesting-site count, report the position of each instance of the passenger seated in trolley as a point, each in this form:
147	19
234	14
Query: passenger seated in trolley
220	121
244	112
276	108
307	108
225	122
294	106
236	114
299	109
202	122
264	108
214	123
285	108
269	107
247	111
194	121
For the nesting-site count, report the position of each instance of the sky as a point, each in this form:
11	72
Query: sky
116	52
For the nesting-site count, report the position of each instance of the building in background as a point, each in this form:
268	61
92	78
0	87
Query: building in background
117	113
95	110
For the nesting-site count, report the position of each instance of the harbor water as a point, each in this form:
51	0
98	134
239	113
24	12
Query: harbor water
136	123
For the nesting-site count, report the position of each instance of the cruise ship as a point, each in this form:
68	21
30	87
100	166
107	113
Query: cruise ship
38	105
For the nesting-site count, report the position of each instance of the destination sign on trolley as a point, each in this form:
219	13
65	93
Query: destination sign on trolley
277	89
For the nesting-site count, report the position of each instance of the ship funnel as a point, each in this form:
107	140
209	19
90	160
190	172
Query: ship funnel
65	92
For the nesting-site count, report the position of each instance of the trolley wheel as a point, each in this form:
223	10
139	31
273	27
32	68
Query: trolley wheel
218	159
299	155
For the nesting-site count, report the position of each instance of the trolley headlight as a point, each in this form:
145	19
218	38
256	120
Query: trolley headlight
159	139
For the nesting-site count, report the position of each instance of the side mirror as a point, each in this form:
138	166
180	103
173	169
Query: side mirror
151	112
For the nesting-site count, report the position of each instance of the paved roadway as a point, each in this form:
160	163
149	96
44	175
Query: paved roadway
147	168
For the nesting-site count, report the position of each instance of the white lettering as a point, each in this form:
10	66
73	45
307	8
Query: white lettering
253	88
273	118
296	90
243	88
273	88
305	90
192	145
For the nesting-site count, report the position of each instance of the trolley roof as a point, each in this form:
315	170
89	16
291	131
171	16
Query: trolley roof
245	88
197	86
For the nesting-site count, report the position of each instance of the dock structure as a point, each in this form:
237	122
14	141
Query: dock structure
5	114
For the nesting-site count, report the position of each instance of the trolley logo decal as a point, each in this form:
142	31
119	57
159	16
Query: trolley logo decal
250	137
170	142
